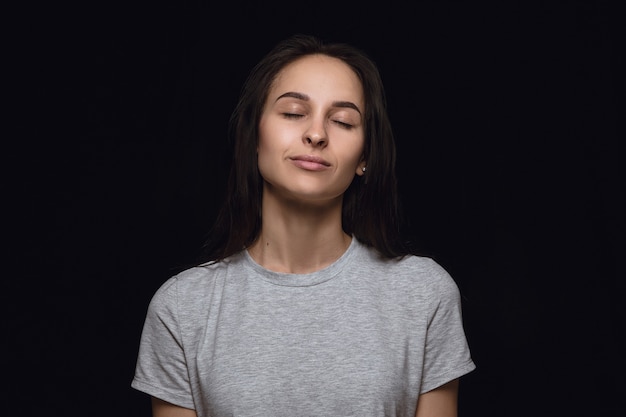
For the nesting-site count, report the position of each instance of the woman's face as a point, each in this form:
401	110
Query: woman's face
311	134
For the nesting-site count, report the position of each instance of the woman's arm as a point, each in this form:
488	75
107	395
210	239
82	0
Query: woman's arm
440	402
162	408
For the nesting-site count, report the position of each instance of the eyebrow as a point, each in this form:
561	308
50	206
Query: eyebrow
304	97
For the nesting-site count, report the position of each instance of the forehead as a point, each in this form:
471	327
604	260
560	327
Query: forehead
319	75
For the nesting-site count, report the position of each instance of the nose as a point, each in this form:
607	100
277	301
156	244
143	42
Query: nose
316	135
316	141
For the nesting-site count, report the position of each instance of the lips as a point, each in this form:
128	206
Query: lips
310	162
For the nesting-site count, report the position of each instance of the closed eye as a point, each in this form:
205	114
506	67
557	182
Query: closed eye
344	124
292	115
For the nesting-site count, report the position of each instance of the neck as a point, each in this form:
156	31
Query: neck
299	238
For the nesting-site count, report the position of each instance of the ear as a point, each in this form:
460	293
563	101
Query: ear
361	168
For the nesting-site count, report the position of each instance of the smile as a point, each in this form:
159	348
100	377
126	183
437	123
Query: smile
310	162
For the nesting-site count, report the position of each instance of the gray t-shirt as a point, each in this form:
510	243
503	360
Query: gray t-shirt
361	337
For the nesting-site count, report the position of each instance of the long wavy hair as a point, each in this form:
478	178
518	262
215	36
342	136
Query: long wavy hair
371	209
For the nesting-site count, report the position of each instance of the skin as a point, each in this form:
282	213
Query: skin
161	408
313	110
440	402
311	142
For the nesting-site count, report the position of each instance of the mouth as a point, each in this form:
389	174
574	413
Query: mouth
310	162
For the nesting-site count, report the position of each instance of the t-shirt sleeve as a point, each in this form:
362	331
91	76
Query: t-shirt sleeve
447	354
161	369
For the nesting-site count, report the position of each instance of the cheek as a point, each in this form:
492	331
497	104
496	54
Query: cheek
267	146
354	152
270	135
268	151
263	153
274	140
263	144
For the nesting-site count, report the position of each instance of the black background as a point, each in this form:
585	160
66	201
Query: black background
509	125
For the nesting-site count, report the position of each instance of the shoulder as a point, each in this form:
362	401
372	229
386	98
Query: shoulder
421	268
426	269
434	277
419	275
193	285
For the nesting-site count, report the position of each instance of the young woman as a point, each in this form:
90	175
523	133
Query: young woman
308	302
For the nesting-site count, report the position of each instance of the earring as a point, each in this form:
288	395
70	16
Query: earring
363	169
